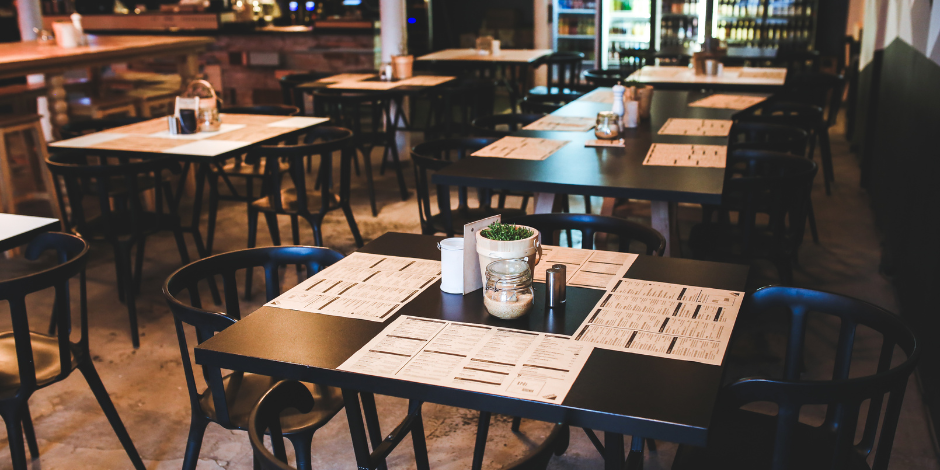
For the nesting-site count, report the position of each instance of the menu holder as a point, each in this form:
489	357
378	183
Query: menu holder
697	127
704	156
523	148
471	261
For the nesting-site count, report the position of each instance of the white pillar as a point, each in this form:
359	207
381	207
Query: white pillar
29	16
392	33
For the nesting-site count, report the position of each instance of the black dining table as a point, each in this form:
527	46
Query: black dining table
732	79
616	392
608	172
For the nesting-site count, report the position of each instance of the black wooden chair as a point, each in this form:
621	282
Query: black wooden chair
563	82
435	156
774	138
770	198
369	116
33	360
89	126
265	418
290	95
236	169
740	439
456	105
229	400
501	125
297	201
550	226
122	219
604	77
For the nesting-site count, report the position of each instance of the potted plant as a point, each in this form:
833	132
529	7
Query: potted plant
508	241
403	63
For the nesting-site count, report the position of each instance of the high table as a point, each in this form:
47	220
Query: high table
616	392
16	230
149	139
30	57
607	172
664	77
514	63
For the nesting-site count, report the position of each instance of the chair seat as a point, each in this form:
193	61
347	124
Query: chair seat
553	94
745	440
45	360
244	391
461	217
289	203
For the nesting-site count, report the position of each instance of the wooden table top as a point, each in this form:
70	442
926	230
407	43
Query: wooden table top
371	82
16	230
151	138
28	57
758	77
523	56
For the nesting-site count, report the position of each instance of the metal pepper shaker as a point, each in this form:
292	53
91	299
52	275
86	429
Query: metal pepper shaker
555	288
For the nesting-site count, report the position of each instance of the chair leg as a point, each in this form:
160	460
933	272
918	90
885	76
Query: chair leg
398	172
483	429
197	429
347	211
516	421
122	259
252	236
302	448
811	218
316	223
370	186
30	432
273	228
213	210
139	264
104	400
12	419
826	151
295	229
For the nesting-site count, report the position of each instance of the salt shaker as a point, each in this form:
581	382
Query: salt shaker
555	287
618	100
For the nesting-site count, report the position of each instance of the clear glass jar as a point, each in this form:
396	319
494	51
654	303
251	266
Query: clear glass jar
607	126
508	293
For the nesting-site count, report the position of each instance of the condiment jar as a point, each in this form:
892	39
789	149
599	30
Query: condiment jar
508	293
607	126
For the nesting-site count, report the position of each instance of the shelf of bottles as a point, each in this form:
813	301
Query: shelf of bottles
764	28
574	28
625	27
679	26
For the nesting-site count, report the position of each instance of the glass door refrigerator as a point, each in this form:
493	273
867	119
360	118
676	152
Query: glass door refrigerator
626	25
574	27
763	29
682	26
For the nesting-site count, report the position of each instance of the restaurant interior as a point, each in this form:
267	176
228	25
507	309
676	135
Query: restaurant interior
515	234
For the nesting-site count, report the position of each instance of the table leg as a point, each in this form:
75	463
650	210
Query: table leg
613	451
357	429
202	173
58	104
663	215
635	457
544	202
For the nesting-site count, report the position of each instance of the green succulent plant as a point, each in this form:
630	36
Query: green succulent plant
505	232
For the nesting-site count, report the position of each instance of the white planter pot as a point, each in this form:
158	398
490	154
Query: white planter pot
529	249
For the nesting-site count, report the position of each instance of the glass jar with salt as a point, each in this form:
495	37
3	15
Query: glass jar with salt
508	293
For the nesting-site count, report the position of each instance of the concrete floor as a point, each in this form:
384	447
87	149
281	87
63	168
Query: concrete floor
148	388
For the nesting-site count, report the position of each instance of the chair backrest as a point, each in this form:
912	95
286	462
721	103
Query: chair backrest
549	225
501	125
266	417
80	128
71	253
605	77
846	392
824	90
434	156
322	141
126	178
788	113
209	322
266	110
456	104
775	184
631	60
766	136
564	71
356	110
289	84
673	58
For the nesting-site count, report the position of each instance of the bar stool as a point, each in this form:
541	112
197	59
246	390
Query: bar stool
29	129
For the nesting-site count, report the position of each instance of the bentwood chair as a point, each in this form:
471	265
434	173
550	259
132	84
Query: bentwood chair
235	169
455	105
265	418
774	138
502	125
550	226
32	361
369	116
122	219
228	400
563	82
770	198
753	440
434	156
298	201
89	126
289	83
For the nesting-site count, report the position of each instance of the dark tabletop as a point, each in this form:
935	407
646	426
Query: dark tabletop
607	172
619	392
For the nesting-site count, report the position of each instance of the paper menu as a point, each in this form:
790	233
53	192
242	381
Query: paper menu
524	148
346	77
728	101
562	123
503	361
664	320
425	80
706	156
362	285
697	127
593	269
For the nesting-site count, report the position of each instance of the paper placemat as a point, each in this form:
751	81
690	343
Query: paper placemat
728	101
523	148
207	148
425	80
223	129
370	85
470	356
592	269
562	123
297	122
362	285
697	127
345	77
704	156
